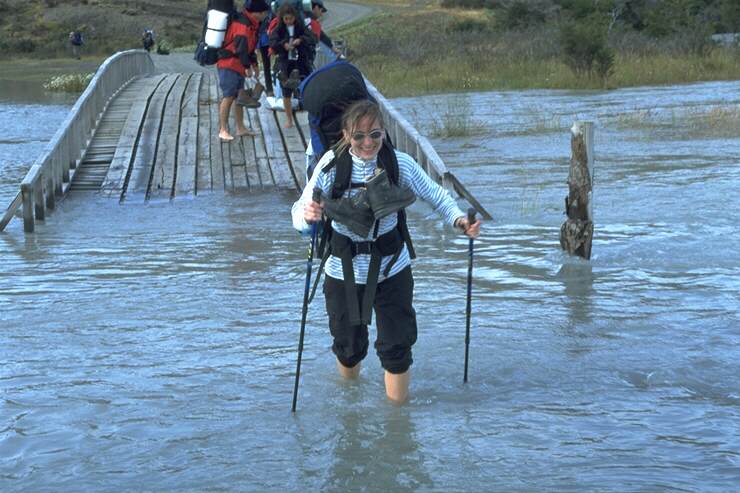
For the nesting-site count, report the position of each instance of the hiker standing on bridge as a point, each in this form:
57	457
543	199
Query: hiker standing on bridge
147	39
368	260
237	62
263	42
325	43
293	44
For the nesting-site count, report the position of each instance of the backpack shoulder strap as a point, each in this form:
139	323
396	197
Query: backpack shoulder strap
388	161
343	163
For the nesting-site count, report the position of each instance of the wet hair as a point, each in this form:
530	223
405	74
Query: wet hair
286	9
353	115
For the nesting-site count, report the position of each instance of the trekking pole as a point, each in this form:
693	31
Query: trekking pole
314	229
471	220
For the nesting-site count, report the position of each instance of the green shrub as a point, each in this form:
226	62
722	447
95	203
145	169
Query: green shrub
470	4
521	15
468	26
585	49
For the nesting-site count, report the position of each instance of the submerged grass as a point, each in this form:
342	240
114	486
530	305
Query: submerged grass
68	82
456	120
715	121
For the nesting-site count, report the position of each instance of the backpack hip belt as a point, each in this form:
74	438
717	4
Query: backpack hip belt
390	243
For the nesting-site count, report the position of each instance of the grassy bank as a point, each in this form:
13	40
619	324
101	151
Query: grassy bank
24	69
40	28
426	49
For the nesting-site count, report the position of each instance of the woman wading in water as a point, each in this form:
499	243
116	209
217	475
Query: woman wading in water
365	185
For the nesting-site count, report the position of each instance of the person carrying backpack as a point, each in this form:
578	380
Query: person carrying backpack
147	39
365	185
293	44
237	61
76	41
325	42
263	43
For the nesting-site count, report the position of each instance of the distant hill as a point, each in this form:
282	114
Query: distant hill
41	27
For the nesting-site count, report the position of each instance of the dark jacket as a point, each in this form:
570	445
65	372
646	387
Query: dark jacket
279	37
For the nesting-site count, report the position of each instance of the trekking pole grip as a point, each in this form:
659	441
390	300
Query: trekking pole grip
471	216
316	197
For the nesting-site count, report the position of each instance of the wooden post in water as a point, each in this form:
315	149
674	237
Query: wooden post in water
577	231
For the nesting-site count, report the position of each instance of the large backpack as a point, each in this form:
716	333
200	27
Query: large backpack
325	94
205	54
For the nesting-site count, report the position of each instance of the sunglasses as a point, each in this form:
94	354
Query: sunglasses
360	136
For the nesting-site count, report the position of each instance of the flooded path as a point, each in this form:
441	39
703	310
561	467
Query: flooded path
153	347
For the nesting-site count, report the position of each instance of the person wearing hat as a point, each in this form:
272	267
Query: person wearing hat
317	12
236	61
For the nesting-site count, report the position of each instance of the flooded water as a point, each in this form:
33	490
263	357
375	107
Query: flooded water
153	347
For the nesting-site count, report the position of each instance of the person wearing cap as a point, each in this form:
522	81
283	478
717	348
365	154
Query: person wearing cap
236	61
317	12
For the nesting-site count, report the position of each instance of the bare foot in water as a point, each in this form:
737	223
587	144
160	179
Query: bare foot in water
225	136
242	132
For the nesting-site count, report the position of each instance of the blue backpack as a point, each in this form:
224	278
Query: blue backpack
325	94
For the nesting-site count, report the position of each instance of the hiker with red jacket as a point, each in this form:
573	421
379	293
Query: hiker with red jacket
325	42
293	44
237	61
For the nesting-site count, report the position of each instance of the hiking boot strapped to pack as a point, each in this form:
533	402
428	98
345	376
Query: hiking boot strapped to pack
386	198
354	212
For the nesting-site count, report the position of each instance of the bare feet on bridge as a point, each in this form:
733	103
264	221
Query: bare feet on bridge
225	136
243	132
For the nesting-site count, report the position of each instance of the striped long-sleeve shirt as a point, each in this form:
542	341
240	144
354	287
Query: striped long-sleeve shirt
411	177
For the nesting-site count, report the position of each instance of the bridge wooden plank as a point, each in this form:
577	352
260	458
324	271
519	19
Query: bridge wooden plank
294	149
276	156
146	150
187	154
301	119
162	182
217	159
248	151
226	150
238	167
260	155
203	171
114	181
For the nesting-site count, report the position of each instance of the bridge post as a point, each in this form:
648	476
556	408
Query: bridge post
577	231
38	200
48	182
27	197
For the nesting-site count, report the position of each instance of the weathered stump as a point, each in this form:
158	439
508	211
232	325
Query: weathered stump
577	231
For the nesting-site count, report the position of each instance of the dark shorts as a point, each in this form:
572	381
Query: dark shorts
230	82
395	320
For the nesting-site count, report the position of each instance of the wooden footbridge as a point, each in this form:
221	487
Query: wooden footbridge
137	135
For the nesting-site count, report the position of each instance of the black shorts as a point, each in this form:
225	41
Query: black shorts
395	320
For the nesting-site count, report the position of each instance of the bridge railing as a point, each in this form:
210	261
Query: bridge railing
51	175
406	138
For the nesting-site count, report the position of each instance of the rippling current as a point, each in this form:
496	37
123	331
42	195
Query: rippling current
153	347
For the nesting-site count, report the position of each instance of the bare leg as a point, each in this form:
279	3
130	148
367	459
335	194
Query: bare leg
346	372
397	386
223	119
241	130
288	107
